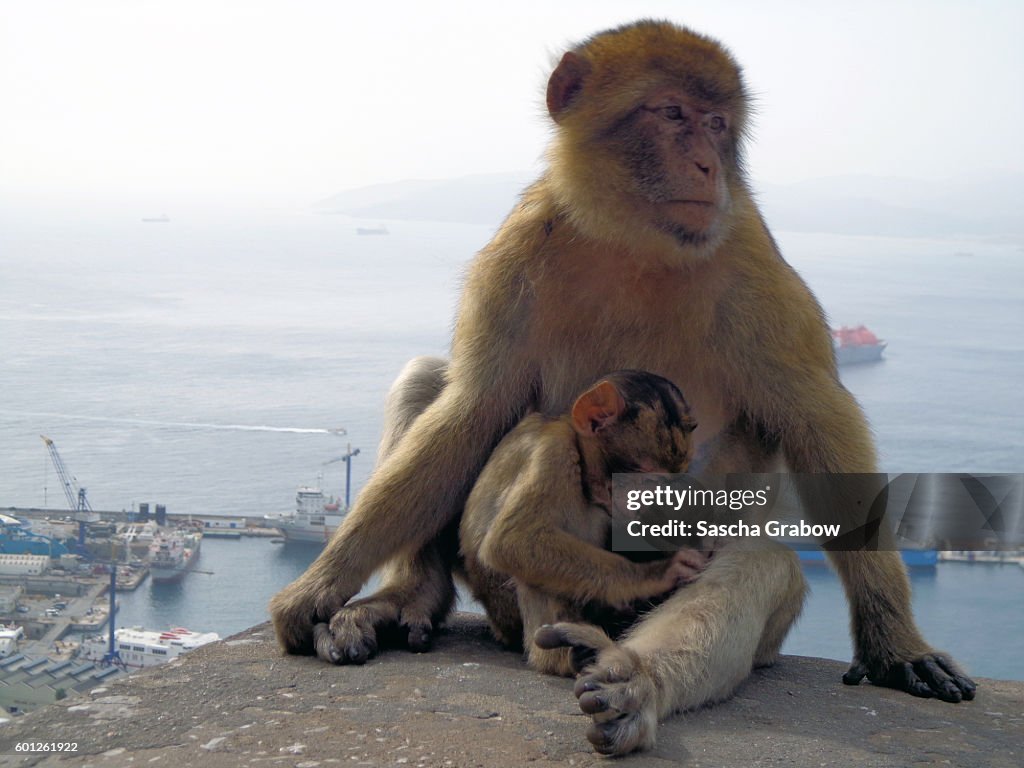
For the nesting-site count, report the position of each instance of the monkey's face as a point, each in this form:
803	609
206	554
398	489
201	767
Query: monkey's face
676	150
650	121
647	438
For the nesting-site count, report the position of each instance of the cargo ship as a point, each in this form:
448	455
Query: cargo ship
856	345
314	520
172	554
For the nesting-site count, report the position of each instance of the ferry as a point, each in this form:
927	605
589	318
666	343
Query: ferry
856	345
138	647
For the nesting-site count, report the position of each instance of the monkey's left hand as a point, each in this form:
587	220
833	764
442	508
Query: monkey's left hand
931	674
687	565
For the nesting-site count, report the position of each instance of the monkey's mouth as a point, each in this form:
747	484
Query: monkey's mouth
689	219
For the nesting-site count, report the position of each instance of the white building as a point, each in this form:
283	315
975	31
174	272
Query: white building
24	565
9	639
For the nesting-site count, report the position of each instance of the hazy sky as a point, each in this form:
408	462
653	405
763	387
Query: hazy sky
283	103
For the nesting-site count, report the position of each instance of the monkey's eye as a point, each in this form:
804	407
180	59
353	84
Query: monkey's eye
716	123
672	113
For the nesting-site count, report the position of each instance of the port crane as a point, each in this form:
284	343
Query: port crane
347	458
75	494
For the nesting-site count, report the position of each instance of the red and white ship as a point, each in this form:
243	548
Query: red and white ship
856	345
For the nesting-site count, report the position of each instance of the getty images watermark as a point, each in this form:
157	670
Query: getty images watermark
839	511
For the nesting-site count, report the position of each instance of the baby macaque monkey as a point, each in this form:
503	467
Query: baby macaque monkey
536	527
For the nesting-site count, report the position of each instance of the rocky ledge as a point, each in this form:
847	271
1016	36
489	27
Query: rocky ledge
469	703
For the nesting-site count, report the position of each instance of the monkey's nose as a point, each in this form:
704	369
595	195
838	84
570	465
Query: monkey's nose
705	169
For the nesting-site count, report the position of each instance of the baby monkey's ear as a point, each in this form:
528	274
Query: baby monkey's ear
597	408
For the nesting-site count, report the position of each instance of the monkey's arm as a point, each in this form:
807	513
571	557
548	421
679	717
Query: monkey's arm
541	536
421	486
796	398
889	648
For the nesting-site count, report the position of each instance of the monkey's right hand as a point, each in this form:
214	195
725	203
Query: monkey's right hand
296	609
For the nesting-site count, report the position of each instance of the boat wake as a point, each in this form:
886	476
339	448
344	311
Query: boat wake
181	424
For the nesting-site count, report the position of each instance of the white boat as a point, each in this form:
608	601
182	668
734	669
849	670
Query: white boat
138	647
172	553
314	520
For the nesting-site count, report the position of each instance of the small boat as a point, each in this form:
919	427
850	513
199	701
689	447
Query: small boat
856	345
381	230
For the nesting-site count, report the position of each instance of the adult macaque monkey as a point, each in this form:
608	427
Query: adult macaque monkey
535	527
640	247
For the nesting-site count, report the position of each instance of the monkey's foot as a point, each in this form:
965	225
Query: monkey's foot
616	691
359	630
931	674
295	610
622	701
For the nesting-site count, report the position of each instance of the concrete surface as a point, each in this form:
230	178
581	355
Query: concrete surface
469	703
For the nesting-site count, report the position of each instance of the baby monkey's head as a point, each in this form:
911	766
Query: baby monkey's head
640	421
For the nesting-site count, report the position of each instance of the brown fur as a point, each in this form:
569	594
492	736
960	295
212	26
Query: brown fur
641	247
535	526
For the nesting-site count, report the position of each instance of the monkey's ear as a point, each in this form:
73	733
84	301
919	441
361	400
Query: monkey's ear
565	83
596	408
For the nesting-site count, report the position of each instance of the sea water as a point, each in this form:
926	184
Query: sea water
201	364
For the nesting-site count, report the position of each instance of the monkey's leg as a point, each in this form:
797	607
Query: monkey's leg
888	647
790	603
539	609
497	593
300	603
694	649
416	590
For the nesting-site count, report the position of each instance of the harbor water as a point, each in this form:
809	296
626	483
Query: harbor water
974	610
202	363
